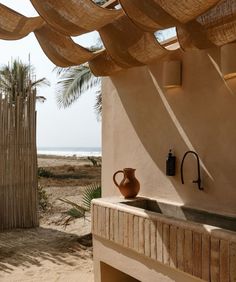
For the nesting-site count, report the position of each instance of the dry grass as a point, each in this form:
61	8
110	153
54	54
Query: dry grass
71	175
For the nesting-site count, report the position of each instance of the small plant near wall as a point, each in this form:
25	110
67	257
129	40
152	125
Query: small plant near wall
90	192
93	191
43	200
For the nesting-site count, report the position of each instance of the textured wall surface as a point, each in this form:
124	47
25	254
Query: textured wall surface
142	121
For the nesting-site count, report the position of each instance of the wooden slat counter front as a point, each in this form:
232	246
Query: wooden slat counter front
206	252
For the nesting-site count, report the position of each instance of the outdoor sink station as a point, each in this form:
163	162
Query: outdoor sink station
184	213
195	242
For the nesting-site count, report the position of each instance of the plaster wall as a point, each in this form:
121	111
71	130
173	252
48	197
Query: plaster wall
142	121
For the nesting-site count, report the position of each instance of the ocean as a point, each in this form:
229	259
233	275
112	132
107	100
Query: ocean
70	151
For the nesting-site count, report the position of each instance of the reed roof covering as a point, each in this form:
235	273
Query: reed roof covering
127	32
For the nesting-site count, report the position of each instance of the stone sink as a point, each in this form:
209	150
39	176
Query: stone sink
184	213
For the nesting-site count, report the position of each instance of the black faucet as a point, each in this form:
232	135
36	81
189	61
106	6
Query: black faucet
198	181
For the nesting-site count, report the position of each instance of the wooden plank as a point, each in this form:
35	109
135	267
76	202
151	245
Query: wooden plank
215	260
107	225
188	251
224	261
173	246
159	235
121	228
166	244
131	231
206	257
111	229
197	254
136	233
116	226
153	227
103	222
232	261
141	235
147	238
99	217
180	248
126	229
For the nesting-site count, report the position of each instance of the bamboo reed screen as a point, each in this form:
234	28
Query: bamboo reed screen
18	163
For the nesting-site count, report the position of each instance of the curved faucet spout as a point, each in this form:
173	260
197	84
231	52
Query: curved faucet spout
198	181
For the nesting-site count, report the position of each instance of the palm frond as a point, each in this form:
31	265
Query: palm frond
41	99
40	82
91	192
72	83
98	104
74	205
100	2
75	213
98	46
59	71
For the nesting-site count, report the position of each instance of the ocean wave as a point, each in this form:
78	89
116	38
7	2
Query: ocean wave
69	152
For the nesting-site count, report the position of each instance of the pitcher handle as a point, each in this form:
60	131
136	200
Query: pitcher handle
114	177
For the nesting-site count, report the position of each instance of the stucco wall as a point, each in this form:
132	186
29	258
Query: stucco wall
142	121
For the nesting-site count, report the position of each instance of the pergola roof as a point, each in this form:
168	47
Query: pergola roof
127	33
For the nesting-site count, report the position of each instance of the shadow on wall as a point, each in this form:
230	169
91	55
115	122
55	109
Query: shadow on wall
198	116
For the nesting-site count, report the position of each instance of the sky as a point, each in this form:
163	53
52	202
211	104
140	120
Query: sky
76	126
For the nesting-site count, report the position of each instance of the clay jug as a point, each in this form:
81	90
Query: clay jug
129	186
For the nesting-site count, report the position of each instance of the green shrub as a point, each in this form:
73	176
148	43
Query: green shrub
43	199
42	172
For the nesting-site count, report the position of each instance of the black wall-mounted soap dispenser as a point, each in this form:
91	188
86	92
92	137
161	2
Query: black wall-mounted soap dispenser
170	164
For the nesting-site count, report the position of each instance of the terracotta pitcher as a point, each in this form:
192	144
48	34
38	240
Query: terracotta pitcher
129	186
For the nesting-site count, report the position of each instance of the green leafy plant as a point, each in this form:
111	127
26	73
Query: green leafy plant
91	192
81	210
42	172
43	199
76	80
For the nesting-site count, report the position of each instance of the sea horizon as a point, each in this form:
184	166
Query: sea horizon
70	151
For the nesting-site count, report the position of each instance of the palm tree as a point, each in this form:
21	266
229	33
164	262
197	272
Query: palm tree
73	82
18	79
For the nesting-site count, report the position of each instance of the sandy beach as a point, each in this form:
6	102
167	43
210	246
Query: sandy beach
52	252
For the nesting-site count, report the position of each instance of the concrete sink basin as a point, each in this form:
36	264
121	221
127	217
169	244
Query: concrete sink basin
183	213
